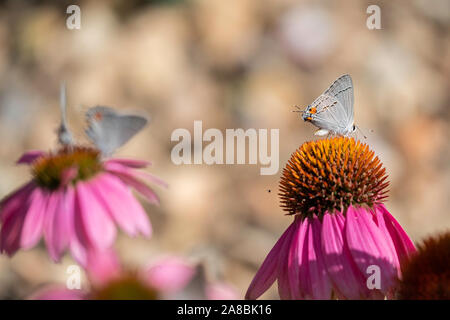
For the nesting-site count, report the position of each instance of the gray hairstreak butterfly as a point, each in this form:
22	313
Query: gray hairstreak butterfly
332	111
64	136
109	129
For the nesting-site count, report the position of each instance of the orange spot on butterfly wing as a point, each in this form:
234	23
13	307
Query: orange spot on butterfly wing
98	116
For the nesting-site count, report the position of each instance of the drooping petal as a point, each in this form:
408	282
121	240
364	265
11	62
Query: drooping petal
133	182
50	213
13	212
117	167
403	245
13	202
368	247
169	275
78	251
150	178
284	285
296	261
131	163
60	225
320	282
29	156
93	225
347	279
34	219
114	196
134	212
12	230
379	219
267	273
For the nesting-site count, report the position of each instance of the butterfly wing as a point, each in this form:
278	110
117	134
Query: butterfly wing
64	135
342	91
109	130
329	114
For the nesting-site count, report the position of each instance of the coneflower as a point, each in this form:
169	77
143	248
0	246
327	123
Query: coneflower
78	194
426	276
74	200
341	233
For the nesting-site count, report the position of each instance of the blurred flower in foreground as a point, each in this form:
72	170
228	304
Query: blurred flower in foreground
170	278
334	188
426	276
76	196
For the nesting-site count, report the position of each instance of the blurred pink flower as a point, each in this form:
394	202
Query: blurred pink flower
58	292
75	200
169	278
341	231
176	278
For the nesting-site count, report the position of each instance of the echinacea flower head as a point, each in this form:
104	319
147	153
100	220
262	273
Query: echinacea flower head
334	188
426	276
75	200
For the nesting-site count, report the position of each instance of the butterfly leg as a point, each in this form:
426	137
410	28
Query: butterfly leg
322	132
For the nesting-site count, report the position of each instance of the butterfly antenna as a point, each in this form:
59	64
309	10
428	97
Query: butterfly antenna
359	129
299	110
63	101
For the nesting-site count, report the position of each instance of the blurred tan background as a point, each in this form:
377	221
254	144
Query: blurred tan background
232	64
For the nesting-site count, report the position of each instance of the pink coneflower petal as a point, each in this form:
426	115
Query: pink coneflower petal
111	192
14	208
51	211
368	246
347	279
139	215
296	259
169	275
12	231
151	178
131	163
59	227
122	205
132	181
34	219
29	157
14	201
68	175
320	283
267	273
103	266
78	251
379	220
284	285
58	293
220	291
403	244
93	225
